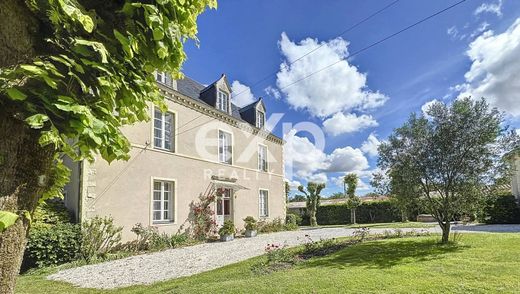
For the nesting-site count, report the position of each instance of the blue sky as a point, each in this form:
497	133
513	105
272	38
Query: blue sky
360	100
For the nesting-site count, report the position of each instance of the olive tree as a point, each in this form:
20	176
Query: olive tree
448	156
313	199
353	202
72	72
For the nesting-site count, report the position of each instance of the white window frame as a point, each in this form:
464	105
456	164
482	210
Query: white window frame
173	139
263	203
260	163
172	201
260	121
222	100
222	156
160	77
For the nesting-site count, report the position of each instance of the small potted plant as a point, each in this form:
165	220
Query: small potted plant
251	226
227	232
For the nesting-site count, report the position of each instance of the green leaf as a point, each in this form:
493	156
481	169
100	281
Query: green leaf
16	94
36	121
7	219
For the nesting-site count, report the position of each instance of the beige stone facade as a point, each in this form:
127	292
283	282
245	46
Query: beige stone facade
125	190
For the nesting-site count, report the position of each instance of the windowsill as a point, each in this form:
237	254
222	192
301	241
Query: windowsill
226	163
163	149
163	223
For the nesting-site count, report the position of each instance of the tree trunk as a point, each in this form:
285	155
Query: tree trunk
313	221
353	215
24	175
445	232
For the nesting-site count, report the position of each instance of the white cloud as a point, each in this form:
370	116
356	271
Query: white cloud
495	8
347	159
427	105
341	123
481	28
293	185
242	94
338	88
495	69
370	146
453	32
318	178
307	161
303	155
272	91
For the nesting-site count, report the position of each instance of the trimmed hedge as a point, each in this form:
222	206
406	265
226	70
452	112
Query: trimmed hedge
369	212
501	209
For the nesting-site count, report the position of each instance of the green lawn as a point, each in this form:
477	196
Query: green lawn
398	225
479	263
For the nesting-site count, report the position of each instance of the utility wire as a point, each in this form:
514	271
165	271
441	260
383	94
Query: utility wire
376	43
322	44
311	51
356	52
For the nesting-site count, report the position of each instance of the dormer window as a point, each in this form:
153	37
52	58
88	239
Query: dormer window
222	101
160	77
260	119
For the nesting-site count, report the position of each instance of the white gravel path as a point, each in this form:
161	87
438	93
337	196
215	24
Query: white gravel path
187	261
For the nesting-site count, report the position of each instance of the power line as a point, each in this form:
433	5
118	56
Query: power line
376	43
323	44
355	53
311	51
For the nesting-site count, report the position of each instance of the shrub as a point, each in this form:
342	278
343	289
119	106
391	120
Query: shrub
227	229
149	239
251	223
99	237
201	217
501	209
52	245
291	222
297	217
50	212
368	212
276	225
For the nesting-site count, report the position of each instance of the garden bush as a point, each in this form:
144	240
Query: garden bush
99	237
276	225
52	245
52	239
368	212
291	222
501	209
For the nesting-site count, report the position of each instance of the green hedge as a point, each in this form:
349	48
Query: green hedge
501	209
369	212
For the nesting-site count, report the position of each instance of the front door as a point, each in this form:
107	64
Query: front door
223	209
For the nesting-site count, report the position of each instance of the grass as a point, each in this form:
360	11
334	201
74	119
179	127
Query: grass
478	263
397	225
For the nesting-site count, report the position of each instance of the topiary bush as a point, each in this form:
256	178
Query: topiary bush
501	209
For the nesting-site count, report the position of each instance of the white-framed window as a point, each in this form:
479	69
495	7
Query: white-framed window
162	202
224	203
263	203
160	77
225	147
262	158
222	101
260	119
163	130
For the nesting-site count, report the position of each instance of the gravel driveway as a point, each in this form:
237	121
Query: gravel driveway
187	261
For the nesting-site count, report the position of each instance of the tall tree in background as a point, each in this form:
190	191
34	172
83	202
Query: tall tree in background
450	155
350	186
72	72
313	199
287	191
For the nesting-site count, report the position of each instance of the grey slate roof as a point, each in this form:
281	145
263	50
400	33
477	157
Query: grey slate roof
192	89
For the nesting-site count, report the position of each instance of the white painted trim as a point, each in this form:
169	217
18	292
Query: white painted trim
150	201
268	210
232	146
175	130
266	157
